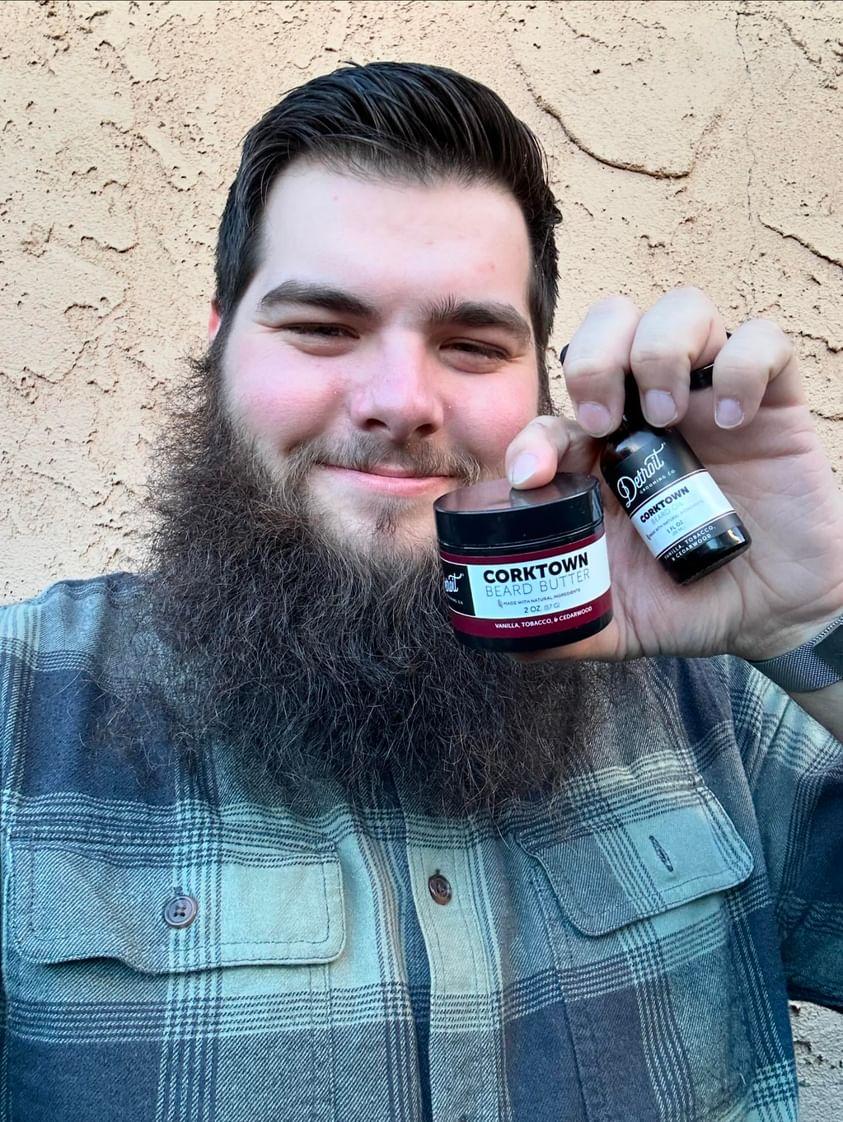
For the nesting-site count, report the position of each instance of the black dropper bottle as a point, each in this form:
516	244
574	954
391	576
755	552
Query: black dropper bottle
682	515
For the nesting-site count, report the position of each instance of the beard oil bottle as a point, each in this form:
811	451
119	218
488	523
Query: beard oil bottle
684	518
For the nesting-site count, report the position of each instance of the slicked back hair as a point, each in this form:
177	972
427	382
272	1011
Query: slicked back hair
402	122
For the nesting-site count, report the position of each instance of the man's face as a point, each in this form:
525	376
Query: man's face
386	335
293	580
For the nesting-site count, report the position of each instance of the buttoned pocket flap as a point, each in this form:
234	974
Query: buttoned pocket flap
76	902
639	860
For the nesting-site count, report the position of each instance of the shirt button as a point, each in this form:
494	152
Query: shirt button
180	911
439	888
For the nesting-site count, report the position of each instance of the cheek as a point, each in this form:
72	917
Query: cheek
491	416
273	397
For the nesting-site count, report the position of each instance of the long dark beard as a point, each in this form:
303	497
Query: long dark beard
313	662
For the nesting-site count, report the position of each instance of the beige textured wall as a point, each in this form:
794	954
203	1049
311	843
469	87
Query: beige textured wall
689	142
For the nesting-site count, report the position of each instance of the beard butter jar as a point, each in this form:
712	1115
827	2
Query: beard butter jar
524	570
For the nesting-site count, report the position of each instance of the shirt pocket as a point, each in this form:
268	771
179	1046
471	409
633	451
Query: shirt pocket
650	944
90	917
80	903
114	1012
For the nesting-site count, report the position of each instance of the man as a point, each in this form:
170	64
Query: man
276	846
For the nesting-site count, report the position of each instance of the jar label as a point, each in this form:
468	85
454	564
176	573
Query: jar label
532	593
679	510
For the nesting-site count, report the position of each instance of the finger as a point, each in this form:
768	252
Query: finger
757	355
681	330
534	456
597	360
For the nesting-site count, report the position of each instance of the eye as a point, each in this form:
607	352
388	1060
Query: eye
321	330
480	349
477	354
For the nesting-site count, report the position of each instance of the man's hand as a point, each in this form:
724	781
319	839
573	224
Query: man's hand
754	433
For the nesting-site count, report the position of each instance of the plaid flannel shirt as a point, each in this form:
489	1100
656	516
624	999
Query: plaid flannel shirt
625	954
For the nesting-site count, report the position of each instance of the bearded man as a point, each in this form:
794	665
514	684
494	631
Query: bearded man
275	845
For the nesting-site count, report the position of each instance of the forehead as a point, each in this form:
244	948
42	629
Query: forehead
395	239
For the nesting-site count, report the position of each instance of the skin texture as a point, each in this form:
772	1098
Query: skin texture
394	386
395	389
298	608
770	464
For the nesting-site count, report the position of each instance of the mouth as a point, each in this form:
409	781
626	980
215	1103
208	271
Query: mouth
390	480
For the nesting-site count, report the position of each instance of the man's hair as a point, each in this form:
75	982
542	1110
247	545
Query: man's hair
397	121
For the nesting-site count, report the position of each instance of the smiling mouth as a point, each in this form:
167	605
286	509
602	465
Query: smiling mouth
390	480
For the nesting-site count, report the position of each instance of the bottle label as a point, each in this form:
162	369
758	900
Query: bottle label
679	510
532	593
668	494
660	461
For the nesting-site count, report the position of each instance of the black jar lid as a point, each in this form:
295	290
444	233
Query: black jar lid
494	513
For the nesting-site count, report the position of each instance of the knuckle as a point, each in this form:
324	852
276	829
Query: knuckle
537	428
772	330
545	429
692	292
736	366
760	347
743	374
657	352
761	323
582	370
614	302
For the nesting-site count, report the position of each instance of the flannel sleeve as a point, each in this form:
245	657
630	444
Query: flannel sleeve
795	772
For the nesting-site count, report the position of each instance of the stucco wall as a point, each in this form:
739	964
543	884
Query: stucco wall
689	142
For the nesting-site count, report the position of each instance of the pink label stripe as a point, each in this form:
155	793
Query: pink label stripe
525	626
513	558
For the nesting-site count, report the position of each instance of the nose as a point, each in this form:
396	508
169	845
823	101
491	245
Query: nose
396	395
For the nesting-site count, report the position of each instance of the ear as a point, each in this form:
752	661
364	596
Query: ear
213	321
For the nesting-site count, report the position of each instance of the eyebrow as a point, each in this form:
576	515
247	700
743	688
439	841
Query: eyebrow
317	295
477	313
440	313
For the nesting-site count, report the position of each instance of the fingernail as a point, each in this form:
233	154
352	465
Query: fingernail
594	418
729	412
659	407
523	468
